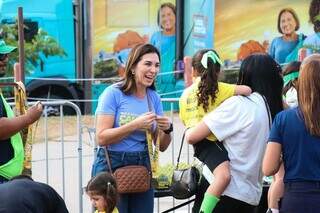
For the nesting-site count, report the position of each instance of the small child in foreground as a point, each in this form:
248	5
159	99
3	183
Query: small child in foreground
102	190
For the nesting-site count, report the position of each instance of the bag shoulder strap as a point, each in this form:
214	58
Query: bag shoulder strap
107	158
268	111
182	141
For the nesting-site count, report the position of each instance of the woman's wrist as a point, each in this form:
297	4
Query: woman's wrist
169	130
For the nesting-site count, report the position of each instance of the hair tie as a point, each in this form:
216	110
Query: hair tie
108	187
290	77
213	56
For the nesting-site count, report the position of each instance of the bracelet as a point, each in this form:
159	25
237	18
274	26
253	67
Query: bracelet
168	131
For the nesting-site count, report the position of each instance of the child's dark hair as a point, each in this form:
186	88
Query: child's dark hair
105	185
208	86
292	68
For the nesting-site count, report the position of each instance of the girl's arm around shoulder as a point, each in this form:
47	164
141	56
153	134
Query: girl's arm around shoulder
197	133
242	90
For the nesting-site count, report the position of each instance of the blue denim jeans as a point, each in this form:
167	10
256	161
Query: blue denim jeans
136	202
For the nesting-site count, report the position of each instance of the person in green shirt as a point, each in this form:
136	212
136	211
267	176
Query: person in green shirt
11	146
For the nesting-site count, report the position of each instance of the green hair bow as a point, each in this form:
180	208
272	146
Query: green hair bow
213	56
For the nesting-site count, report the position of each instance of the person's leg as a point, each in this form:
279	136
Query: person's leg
221	180
216	158
202	188
141	202
231	205
276	190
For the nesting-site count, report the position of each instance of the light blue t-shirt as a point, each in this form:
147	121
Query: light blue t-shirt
126	108
166	44
280	49
312	42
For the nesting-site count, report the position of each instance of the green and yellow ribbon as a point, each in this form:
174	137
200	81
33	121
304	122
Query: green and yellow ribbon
21	107
153	150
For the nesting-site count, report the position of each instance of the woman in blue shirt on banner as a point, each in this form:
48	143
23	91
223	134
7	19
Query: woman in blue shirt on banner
165	41
285	48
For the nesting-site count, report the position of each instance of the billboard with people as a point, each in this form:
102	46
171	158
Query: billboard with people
119	25
252	25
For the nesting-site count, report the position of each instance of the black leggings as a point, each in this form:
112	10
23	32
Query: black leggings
231	205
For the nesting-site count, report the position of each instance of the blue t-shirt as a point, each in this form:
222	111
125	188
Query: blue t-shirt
166	44
300	150
280	49
126	108
163	42
312	42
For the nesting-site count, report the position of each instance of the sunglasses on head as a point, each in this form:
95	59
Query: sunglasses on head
3	56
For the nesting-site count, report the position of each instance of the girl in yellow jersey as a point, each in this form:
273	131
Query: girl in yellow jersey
203	96
102	190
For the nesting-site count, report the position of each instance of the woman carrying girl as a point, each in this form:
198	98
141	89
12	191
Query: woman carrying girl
204	95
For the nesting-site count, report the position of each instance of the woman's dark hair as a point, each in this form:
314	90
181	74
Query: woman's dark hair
104	185
293	66
314	18
293	13
128	82
167	4
208	86
263	75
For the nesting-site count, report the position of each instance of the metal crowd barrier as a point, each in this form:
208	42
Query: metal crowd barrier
60	149
55	168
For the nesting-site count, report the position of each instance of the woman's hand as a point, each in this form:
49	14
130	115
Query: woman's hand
145	121
163	122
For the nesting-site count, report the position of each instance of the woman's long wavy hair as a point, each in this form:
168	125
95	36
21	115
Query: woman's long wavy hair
263	75
128	85
309	93
208	86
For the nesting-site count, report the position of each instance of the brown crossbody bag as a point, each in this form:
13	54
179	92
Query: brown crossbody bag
133	178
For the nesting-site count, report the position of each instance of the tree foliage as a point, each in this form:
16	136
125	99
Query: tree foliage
41	45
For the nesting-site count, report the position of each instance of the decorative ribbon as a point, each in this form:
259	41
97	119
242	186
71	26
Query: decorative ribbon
213	56
26	134
153	152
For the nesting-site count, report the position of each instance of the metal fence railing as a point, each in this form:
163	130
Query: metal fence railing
64	148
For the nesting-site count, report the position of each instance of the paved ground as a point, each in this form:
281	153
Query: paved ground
70	191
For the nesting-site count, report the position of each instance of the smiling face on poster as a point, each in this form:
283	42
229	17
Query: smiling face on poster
254	21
